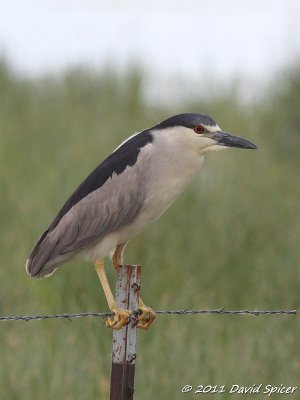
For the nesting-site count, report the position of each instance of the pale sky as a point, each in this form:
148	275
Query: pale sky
190	39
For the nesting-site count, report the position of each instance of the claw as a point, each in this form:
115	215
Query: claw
120	318
146	316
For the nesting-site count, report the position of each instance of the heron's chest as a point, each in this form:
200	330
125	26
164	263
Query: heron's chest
166	181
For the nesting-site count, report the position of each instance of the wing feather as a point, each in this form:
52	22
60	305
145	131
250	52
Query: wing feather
101	212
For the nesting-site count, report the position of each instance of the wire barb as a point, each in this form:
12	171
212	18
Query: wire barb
218	311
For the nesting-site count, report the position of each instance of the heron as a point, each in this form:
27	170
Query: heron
126	192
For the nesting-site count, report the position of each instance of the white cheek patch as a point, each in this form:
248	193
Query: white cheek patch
212	128
206	141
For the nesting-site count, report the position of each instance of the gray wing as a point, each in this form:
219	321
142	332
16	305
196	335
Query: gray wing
103	211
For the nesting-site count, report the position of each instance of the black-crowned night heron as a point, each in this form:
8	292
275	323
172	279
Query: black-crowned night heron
130	189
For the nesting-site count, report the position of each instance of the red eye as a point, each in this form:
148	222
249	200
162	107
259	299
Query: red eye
198	128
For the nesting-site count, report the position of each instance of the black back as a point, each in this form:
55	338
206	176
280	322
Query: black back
125	155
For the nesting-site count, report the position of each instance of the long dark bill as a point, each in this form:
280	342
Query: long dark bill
226	139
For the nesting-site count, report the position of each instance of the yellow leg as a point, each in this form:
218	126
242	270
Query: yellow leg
117	258
121	316
146	315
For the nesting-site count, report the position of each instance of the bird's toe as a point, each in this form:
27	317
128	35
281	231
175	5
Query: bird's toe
146	317
120	318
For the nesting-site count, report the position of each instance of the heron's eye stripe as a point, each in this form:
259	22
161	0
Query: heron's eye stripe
199	128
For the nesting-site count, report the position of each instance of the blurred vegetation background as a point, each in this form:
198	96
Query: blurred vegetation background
231	240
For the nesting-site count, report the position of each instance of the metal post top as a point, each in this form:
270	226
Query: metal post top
124	340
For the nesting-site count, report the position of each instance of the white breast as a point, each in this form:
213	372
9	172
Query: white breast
170	170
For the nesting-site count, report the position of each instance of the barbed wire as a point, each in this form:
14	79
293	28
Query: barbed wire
218	311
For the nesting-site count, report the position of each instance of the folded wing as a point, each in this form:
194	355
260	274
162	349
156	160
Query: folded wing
101	212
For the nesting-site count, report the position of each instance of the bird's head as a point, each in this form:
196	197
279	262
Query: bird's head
200	132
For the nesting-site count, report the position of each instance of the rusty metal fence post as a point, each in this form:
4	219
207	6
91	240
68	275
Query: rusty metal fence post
124	340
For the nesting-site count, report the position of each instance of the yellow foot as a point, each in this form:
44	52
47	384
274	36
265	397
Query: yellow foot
146	316
120	318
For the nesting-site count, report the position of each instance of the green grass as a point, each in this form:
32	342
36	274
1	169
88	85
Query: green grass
232	240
